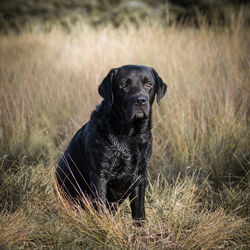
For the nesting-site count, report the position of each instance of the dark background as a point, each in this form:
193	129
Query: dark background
16	15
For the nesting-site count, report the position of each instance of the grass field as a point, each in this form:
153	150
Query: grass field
198	197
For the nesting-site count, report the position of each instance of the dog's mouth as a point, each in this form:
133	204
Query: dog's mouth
139	113
139	116
135	112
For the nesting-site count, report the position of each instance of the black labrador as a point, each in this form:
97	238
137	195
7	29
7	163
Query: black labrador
107	160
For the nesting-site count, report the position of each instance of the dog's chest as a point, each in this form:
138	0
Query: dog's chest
124	158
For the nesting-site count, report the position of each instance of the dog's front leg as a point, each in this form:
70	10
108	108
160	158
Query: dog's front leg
137	203
99	190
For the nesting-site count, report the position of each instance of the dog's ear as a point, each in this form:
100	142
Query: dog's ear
105	89
161	87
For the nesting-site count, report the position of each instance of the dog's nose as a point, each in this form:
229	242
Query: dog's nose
140	100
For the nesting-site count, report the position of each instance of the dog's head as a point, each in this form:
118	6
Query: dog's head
132	89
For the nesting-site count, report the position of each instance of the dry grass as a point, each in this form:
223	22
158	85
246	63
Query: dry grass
48	89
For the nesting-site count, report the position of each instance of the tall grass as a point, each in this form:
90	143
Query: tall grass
48	89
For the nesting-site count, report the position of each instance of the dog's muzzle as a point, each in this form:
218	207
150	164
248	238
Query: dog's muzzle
140	106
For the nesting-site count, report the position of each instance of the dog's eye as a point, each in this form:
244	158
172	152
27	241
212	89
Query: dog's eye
123	85
148	84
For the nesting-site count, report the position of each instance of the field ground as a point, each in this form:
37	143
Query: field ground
198	197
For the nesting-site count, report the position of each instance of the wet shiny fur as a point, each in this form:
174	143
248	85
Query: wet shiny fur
107	160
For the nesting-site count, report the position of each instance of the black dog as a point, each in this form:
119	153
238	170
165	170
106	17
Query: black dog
108	158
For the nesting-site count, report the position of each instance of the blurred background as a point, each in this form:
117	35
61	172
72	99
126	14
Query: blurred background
16	15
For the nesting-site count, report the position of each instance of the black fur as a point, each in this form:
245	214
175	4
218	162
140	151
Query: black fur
108	158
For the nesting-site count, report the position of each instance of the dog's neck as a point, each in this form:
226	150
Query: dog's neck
119	126
132	127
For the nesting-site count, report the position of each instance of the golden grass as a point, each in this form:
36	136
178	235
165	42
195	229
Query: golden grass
48	89
202	119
